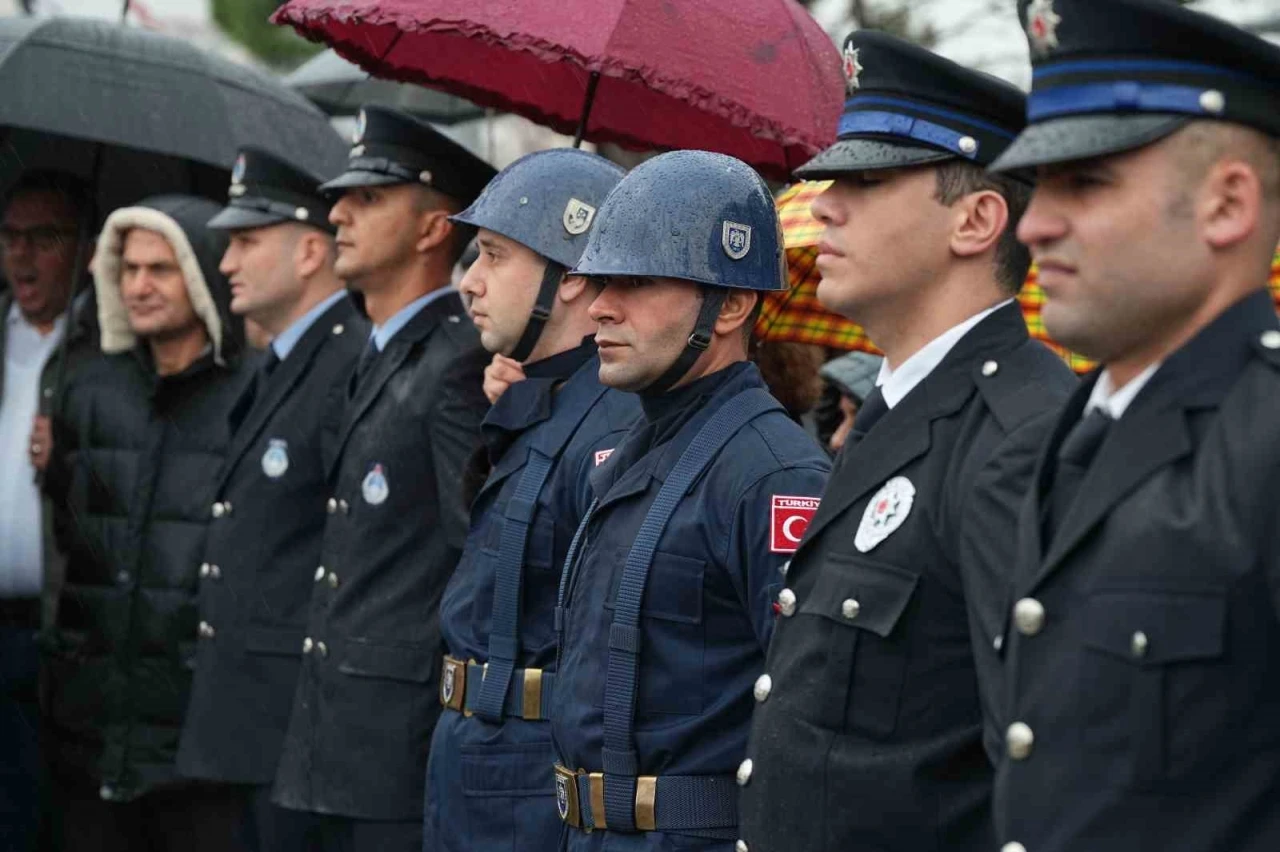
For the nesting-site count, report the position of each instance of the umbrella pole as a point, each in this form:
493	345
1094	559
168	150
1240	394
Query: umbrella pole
592	82
84	242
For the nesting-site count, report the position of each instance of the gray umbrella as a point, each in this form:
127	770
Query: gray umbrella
341	88
108	84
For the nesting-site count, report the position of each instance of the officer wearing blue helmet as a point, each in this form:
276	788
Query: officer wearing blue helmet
665	606
489	777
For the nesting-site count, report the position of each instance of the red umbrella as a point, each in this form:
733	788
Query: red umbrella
757	79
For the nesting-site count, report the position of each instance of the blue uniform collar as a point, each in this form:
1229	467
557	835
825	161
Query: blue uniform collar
649	446
528	403
382	334
284	342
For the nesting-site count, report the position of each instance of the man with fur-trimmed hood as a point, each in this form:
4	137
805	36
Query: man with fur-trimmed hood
137	448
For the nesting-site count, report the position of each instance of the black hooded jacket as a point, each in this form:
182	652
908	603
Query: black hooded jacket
136	457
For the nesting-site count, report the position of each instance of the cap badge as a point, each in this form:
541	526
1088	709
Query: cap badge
361	124
238	170
852	68
578	216
736	239
1042	26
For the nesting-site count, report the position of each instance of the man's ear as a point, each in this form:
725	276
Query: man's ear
1231	203
434	229
735	310
572	287
981	219
310	253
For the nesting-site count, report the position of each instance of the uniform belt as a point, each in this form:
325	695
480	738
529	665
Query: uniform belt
691	803
528	696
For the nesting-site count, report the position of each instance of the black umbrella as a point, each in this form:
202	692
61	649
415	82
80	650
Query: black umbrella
340	88
137	113
110	84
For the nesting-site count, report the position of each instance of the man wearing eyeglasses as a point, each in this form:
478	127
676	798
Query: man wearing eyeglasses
38	234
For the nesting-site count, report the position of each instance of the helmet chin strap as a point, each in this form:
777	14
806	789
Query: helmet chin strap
541	311
699	340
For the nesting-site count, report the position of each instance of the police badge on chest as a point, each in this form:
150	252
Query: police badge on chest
275	461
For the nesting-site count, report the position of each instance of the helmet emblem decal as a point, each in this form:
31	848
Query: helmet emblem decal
736	239
578	216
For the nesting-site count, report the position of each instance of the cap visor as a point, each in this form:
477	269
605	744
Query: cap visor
1082	137
861	155
240	218
346	180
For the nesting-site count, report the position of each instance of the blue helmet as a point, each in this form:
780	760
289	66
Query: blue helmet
693	215
546	201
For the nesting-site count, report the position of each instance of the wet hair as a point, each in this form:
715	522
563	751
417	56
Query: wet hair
958	178
461	235
1203	143
73	190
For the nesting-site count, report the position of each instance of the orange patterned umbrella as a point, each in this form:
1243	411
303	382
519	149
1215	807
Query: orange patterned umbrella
796	315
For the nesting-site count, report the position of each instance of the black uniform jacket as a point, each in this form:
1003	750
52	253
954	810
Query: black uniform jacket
1144	666
367	698
868	734
257	571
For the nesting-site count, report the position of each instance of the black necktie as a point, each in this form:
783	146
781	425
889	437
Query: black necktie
269	363
871	410
364	366
1074	457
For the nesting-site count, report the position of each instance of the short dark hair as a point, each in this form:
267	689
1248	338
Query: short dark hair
958	178
73	189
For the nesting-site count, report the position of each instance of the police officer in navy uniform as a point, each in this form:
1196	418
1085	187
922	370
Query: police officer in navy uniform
868	731
255	579
489	782
666	604
1143	636
356	747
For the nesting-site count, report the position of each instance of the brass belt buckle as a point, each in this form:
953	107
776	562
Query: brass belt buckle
531	695
567	796
453	684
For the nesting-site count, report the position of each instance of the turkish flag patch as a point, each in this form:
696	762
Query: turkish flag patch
790	518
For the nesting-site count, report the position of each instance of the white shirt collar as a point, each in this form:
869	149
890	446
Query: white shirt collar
15	317
1114	402
895	384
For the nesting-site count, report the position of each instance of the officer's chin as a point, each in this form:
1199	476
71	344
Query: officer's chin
624	377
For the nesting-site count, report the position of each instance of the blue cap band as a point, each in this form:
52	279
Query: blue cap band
895	124
1115	97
